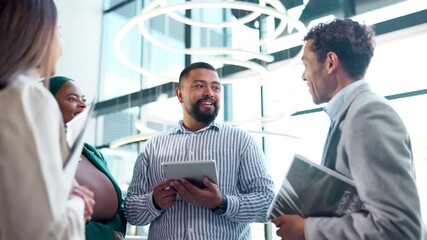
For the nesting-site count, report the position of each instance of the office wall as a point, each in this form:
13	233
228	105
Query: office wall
80	29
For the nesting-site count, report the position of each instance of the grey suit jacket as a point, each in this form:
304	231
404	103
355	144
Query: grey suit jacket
370	144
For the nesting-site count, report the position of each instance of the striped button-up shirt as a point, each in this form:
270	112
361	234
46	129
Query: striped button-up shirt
242	176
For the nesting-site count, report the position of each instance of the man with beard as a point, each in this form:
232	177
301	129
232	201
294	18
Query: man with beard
224	211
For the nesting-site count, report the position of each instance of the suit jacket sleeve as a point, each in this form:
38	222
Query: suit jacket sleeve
372	146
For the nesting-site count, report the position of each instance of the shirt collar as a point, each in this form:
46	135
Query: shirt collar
333	106
180	129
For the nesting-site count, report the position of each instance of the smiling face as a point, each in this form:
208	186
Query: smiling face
71	101
200	97
316	75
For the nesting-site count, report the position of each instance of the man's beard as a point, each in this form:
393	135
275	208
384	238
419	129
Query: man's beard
205	117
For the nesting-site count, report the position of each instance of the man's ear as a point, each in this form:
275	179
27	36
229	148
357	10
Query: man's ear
179	94
332	61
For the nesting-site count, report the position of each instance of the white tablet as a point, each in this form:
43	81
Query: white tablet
193	171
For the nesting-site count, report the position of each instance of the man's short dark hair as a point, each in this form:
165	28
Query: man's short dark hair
193	66
351	41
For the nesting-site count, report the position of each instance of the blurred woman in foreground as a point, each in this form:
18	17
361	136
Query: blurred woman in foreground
35	199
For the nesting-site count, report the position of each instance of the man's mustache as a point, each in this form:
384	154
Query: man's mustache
212	100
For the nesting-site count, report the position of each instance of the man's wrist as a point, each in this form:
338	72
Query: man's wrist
155	204
222	208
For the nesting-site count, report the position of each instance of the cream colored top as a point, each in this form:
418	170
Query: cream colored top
34	199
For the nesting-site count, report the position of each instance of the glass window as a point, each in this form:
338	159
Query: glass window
116	78
398	62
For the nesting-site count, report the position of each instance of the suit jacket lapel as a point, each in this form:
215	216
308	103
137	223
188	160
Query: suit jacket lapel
329	151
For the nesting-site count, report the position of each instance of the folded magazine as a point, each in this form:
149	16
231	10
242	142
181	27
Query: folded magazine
313	190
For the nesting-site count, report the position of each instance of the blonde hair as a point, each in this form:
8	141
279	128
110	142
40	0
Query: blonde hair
27	37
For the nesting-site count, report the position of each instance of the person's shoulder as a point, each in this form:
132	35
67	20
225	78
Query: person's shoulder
235	130
89	147
229	127
89	150
363	92
161	135
34	97
369	98
370	102
363	96
23	85
33	91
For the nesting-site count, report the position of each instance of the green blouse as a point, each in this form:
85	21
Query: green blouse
99	231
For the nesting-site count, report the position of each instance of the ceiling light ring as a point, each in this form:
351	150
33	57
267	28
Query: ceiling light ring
151	11
240	21
278	11
258	68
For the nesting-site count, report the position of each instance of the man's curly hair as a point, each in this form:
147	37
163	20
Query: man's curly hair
351	41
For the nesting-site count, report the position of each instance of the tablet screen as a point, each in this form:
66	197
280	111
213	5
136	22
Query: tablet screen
193	171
